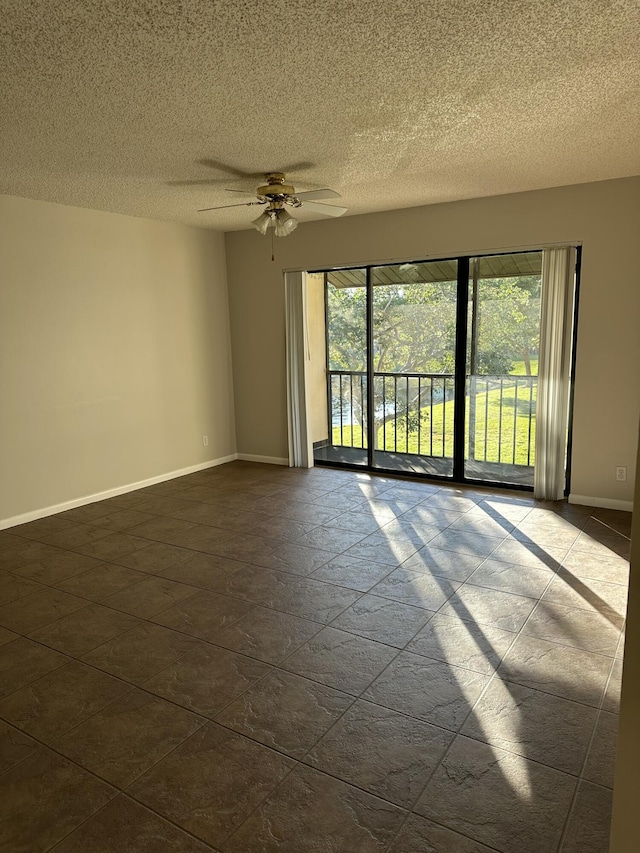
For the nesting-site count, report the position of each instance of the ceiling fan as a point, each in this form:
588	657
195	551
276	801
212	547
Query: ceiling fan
275	195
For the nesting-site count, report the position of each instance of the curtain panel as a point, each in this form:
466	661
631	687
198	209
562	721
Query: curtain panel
297	356
554	372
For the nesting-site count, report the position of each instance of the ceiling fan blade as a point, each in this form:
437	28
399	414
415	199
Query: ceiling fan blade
325	209
244	192
223	206
326	193
230	170
303	166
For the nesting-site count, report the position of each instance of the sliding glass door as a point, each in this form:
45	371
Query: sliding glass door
391	335
346	310
432	367
413	355
502	367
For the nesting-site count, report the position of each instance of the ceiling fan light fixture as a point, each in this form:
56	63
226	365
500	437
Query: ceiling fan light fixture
262	223
284	223
275	194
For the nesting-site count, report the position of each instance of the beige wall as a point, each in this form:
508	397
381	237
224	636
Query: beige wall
114	352
317	364
603	216
626	797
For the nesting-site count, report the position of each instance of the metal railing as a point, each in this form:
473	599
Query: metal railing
347	407
414	413
407	421
501	418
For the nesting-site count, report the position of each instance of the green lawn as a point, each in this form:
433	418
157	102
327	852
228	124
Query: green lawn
518	368
488	410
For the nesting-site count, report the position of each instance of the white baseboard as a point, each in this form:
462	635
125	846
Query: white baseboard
111	493
270	460
604	503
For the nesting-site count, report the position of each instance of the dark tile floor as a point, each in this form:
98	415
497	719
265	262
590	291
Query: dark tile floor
253	659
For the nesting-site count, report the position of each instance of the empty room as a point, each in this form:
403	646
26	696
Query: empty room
319	408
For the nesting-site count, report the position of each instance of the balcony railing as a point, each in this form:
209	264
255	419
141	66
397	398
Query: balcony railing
501	422
414	414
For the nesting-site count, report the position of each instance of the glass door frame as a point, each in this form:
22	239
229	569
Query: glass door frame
460	371
371	413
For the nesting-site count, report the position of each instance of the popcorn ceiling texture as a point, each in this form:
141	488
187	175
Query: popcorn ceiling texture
103	103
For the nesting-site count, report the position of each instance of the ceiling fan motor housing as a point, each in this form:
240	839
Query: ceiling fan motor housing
275	186
275	194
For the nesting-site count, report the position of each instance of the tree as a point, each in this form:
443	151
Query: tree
508	323
414	332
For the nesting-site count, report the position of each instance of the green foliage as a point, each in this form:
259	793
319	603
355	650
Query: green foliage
347	328
508	323
415	326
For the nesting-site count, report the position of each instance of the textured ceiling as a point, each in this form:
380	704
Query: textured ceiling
105	103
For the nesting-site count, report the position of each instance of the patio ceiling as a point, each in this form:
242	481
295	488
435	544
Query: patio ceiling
495	266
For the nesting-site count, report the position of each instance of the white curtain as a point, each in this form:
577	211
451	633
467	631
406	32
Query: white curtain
552	409
297	350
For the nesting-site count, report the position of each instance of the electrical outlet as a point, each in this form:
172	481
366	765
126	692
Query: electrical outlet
205	442
621	474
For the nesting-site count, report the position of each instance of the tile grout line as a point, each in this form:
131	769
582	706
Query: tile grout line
412	814
457	732
124	790
122	793
574	799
